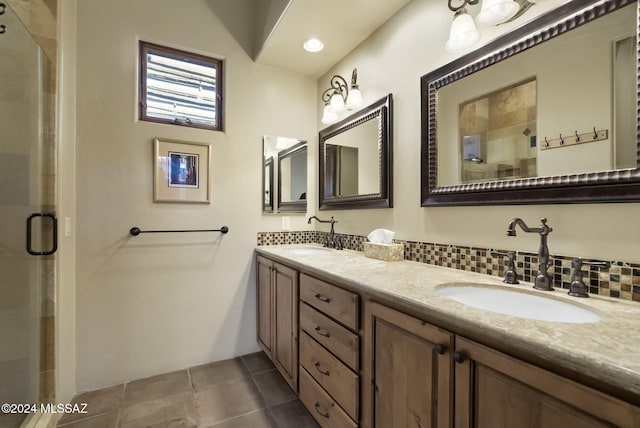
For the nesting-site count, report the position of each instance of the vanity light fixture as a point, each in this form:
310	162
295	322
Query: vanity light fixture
464	33
339	97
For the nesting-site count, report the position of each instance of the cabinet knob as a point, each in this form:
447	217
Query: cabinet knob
441	349
459	357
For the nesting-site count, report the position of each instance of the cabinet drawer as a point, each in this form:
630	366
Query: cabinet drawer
335	377
339	304
323	408
337	339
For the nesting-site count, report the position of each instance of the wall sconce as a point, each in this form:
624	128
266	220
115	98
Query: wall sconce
338	97
464	33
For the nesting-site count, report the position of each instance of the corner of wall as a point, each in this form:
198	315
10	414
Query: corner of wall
66	132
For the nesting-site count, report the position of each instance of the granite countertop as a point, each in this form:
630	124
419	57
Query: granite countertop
608	350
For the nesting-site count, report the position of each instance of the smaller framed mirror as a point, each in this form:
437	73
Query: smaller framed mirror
285	160
292	178
355	159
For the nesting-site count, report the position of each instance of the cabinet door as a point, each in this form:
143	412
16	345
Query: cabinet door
285	297
495	390
408	371
264	304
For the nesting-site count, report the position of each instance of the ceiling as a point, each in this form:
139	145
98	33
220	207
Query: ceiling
340	24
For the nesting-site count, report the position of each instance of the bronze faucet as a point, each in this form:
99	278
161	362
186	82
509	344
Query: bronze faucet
331	241
542	281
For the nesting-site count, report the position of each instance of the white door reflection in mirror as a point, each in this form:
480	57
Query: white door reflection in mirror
293	176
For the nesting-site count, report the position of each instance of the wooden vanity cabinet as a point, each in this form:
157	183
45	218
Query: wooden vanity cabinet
329	353
418	375
495	390
277	316
410	373
408	370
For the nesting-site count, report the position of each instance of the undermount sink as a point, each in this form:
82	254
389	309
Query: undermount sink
517	303
308	250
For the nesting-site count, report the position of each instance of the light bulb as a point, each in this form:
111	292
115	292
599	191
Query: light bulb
494	12
354	99
313	45
463	32
337	103
328	116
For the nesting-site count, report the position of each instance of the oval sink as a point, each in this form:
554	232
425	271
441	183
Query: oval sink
516	303
308	250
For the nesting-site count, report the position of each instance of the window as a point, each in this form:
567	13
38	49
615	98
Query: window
180	88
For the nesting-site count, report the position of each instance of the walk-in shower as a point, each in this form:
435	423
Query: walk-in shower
27	186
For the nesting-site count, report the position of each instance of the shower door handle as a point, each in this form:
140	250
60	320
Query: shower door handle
54	234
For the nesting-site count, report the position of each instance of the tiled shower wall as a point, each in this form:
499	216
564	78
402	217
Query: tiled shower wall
619	280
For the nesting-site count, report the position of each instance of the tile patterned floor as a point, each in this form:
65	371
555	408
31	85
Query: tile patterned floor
245	392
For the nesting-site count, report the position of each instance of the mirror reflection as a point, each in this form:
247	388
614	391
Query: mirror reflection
356	159
292	174
496	122
563	107
351	161
285	160
267	188
498	134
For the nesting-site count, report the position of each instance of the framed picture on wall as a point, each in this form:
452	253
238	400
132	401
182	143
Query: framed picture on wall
182	171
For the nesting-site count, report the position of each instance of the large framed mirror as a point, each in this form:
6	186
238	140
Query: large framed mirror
284	175
544	114
355	159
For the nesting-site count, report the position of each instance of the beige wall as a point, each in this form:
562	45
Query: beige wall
156	303
392	60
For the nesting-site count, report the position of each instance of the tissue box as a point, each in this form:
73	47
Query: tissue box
386	252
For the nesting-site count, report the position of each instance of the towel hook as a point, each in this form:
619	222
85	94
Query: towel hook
577	137
595	134
3	29
546	143
561	140
2	8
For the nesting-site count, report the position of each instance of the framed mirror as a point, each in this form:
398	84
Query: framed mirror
284	176
355	159
292	178
544	114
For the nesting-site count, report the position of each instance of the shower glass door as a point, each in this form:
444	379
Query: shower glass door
23	183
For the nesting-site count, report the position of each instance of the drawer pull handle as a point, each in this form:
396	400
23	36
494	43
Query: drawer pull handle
317	406
441	349
322	298
317	364
322	332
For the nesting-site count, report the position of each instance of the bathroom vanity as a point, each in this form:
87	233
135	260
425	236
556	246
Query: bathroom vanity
375	344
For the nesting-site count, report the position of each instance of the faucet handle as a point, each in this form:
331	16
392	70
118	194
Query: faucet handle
578	288
511	275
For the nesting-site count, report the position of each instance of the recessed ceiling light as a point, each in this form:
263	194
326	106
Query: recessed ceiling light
313	45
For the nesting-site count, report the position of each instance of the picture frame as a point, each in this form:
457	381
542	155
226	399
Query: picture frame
181	171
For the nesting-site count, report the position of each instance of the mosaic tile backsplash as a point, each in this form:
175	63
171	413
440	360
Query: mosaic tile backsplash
619	280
